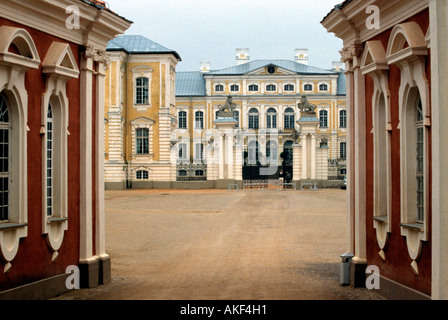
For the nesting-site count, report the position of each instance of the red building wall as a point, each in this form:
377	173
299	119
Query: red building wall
33	260
397	264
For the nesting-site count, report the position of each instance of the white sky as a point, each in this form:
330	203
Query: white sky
210	30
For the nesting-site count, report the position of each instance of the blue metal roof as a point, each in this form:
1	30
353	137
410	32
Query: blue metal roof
137	45
342	85
285	64
190	84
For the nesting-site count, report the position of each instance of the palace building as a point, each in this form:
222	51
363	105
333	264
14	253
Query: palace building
397	77
161	124
51	144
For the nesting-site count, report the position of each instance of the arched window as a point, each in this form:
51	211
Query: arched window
199	120
142	91
323	87
271	87
271	118
5	127
182	119
253	87
343	119
323	117
308	87
219	88
234	88
253	119
289	118
50	160
288	87
420	161
142	145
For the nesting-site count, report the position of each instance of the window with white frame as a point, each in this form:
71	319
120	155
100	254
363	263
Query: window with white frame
142	141
343	119
323	118
253	88
236	117
183	151
182	120
5	127
271	118
420	162
289	116
343	150
323	87
199	120
271	87
272	151
253	119
142	90
199	151
234	88
50	161
308	87
288	87
142	175
219	88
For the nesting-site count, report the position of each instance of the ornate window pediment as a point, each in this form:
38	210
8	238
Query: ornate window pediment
17	48
374	58
60	61
406	42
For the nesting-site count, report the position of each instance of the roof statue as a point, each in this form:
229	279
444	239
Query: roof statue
226	111
306	107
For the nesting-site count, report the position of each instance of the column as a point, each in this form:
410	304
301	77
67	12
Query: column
221	156
438	11
313	156
86	81
304	157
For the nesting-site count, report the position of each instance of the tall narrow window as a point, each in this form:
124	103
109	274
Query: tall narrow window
271	118
199	120
142	91
182	120
343	150
272	151
420	174
50	161
289	118
142	141
182	151
253	119
323	117
343	119
199	152
5	127
236	117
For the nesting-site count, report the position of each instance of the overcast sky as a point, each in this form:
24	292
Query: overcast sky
210	30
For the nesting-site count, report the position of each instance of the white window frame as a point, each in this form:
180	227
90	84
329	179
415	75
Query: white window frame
141	72
289	84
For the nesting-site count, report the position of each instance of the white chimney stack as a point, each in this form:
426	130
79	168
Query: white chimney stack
205	66
242	56
301	56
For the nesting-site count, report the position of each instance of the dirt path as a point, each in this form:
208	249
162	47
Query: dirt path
225	245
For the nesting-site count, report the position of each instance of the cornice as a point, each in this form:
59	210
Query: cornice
97	26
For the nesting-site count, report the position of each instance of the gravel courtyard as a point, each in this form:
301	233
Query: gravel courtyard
225	245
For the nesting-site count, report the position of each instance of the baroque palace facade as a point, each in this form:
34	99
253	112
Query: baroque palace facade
161	125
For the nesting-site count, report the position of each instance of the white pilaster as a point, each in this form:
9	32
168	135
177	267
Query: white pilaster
304	157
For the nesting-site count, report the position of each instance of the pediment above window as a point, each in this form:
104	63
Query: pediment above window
60	61
17	48
142	121
406	42
374	58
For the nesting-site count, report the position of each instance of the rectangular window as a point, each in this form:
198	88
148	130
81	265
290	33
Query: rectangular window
199	152
142	175
343	119
253	121
323	115
182	151
142	141
142	91
4	174
343	150
199	120
420	175
182	120
49	165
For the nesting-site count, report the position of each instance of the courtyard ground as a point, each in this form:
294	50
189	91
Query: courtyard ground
225	245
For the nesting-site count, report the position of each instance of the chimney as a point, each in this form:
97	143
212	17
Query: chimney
205	66
301	56
242	56
337	66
